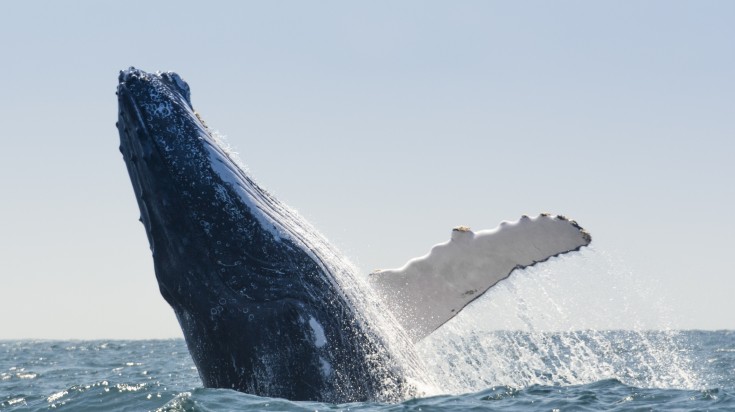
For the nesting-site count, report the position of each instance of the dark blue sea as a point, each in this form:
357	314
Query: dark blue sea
508	371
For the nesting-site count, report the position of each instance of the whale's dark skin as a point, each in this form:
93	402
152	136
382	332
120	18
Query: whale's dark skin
260	311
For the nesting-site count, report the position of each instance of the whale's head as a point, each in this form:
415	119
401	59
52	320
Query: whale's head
156	106
198	206
159	131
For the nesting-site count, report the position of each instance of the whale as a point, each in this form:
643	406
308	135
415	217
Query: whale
266	305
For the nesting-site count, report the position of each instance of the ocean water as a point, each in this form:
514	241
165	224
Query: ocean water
502	352
497	370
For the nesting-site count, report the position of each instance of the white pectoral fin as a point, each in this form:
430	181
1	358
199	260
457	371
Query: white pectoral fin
430	290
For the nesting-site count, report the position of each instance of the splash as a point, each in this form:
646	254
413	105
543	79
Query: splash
567	322
575	320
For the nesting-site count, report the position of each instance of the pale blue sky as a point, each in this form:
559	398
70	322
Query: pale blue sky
386	124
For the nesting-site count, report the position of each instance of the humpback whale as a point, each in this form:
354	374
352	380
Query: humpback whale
266	305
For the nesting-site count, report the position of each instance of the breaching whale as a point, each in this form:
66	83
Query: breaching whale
266	305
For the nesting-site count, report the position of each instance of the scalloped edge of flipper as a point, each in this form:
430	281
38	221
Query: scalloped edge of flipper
430	290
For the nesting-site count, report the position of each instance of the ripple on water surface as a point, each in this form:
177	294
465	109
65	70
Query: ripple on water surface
159	375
